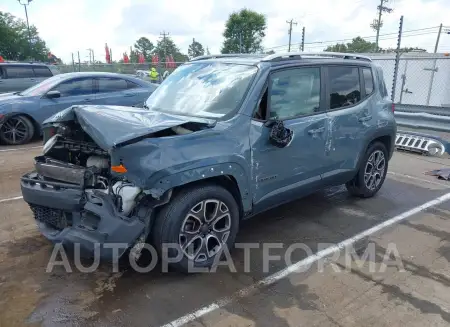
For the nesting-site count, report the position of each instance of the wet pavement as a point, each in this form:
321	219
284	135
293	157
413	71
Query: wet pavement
30	296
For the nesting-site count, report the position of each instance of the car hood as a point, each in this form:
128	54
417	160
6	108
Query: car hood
115	126
13	98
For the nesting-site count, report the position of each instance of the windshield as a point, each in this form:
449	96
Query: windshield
42	87
209	90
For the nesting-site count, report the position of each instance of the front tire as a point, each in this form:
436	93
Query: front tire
16	130
199	221
371	173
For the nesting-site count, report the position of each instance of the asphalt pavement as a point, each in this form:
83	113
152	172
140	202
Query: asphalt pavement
249	294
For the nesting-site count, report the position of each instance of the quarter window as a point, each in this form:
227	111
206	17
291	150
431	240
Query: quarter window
295	92
344	86
368	80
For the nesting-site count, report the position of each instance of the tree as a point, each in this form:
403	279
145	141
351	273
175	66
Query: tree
358	45
195	49
166	47
14	40
144	46
244	32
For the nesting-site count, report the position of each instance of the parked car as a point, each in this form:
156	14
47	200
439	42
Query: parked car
224	138
21	113
20	76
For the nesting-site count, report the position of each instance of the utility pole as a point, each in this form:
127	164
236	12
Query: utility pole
91	55
163	35
438	38
79	62
25	3
378	23
290	22
303	38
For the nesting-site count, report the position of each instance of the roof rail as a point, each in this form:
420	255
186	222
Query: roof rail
228	55
300	55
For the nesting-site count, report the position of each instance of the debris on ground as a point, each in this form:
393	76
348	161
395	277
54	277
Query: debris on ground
443	173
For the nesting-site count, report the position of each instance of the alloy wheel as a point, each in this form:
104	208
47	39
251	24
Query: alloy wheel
375	170
14	130
205	230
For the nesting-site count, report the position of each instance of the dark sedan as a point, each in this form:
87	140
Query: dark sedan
21	113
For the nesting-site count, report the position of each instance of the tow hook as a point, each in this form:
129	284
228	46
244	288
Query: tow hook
136	250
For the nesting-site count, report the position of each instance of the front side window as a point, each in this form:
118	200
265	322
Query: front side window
344	86
294	92
42	72
81	86
205	89
19	71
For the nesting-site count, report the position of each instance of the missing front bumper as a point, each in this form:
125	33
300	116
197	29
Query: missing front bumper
89	219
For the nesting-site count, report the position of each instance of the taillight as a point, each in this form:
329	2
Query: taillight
393	107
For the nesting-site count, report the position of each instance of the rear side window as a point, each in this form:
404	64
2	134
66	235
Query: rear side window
42	71
19	71
111	85
381	83
2	73
368	80
344	86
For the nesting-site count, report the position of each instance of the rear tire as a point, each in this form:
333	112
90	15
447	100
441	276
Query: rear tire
198	221
16	130
371	173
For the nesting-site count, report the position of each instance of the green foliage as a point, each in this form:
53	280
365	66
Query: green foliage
244	32
14	40
358	45
144	46
166	47
195	49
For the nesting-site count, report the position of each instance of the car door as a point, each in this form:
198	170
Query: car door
116	91
283	173
75	91
348	109
19	77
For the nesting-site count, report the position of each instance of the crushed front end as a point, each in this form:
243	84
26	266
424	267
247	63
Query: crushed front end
77	200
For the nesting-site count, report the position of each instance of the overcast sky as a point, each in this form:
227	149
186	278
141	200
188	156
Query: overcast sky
71	25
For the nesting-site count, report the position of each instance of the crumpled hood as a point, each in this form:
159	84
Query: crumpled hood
112	126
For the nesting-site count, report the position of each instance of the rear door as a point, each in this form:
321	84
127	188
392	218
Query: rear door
19	77
116	91
76	91
348	108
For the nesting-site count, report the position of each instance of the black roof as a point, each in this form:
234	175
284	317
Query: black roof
23	63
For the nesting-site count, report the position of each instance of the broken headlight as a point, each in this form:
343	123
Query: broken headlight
50	143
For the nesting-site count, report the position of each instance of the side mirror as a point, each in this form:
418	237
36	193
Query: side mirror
53	94
280	136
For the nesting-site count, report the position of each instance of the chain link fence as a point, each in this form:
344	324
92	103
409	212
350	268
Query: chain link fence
423	80
122	68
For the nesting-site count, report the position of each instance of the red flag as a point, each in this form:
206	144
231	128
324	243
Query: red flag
125	58
107	54
155	59
141	58
172	62
1	59
168	63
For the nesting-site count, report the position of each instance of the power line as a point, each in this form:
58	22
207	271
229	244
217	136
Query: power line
366	37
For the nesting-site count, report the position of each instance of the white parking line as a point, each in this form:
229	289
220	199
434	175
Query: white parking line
11	199
20	149
306	262
418	179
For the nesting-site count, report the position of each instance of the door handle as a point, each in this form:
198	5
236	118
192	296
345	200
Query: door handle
127	95
365	118
316	131
87	100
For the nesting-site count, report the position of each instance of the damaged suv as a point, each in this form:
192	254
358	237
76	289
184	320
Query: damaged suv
223	138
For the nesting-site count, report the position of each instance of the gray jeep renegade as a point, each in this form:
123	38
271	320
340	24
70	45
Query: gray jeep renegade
223	138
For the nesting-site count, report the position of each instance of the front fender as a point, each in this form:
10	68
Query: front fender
197	174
